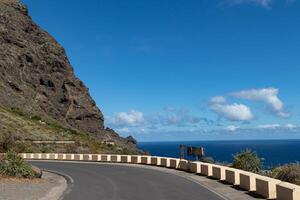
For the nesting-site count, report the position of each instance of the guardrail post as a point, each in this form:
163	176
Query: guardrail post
247	181
232	176
195	167
287	191
174	163
218	172
206	169
266	186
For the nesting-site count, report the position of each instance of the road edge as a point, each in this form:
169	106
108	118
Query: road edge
60	191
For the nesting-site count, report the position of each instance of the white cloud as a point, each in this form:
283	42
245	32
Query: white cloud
278	126
169	117
264	3
174	117
291	126
268	126
124	119
266	95
232	128
233	112
218	100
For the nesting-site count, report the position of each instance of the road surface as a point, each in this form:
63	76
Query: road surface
123	182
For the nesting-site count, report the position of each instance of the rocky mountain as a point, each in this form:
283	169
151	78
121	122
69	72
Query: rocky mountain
37	77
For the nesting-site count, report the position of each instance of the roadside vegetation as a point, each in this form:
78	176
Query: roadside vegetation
248	160
288	173
12	165
18	130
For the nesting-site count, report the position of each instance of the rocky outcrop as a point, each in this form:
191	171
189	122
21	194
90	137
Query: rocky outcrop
36	75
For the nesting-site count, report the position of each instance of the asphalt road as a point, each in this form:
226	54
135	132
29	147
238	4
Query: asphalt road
117	182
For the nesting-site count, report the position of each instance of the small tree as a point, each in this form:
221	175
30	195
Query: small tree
247	160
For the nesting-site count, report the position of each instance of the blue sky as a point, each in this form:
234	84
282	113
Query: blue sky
185	70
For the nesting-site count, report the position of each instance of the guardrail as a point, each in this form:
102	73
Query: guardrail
266	187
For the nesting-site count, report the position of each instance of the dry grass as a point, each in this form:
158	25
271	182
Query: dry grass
24	128
21	180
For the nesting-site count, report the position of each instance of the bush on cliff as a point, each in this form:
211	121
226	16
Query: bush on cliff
247	160
13	165
288	173
7	141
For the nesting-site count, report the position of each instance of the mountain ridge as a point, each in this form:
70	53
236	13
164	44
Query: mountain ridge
37	77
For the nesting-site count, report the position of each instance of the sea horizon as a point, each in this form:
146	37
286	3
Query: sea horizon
274	152
216	140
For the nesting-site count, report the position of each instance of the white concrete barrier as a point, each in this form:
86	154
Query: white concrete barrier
115	158
266	187
287	191
183	165
94	157
206	169
86	157
174	163
105	158
155	160
136	159
165	162
195	167
218	172
232	176
125	158
247	181
68	156
146	160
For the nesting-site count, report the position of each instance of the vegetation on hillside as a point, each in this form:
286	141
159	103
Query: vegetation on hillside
18	130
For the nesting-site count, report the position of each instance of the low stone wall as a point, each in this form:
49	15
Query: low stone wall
264	186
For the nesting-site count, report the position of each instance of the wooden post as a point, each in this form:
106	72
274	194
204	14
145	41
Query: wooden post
181	151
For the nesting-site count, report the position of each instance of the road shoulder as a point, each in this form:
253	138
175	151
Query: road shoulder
50	186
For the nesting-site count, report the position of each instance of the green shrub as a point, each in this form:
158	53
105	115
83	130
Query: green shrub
36	118
247	160
288	173
13	165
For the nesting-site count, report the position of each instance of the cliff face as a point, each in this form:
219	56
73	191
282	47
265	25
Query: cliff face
36	76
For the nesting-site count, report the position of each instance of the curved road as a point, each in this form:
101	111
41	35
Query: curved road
118	182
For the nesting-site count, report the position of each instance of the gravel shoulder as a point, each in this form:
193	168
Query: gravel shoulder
50	186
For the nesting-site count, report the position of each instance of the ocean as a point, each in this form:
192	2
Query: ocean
274	152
